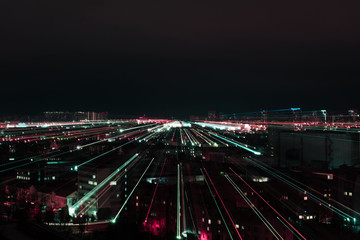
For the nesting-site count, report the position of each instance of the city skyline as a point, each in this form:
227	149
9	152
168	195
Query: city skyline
265	177
179	120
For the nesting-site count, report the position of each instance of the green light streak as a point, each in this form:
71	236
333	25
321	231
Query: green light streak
34	161
183	202
203	137
127	199
33	157
90	160
289	228
237	144
97	187
312	196
217	206
56	162
256	211
178	236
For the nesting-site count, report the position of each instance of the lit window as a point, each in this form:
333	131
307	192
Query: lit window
209	221
305	198
350	194
94	176
345	193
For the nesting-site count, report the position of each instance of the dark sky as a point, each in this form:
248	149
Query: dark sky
176	58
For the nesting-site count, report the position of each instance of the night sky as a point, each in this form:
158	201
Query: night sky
178	58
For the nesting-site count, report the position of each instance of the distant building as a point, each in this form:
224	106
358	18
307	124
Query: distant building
221	116
46	195
314	149
57	198
194	118
211	115
60	116
96	116
88	178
